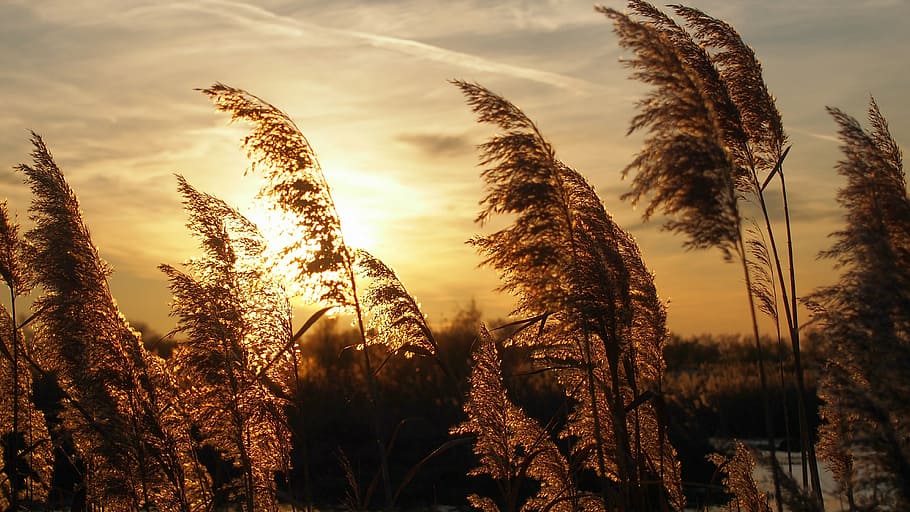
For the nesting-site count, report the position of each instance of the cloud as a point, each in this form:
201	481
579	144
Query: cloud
820	136
804	207
262	20
11	178
473	62
109	85
438	144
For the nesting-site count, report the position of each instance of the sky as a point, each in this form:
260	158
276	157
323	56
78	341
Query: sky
110	86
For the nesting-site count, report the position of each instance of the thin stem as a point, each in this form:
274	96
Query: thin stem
140	450
240	424
618	413
783	395
300	433
766	401
794	339
617	408
780	280
792	324
807	449
13	440
621	441
372	387
598	428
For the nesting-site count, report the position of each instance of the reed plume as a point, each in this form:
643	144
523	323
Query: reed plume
512	447
684	168
739	481
316	255
580	277
395	319
867	318
761	121
320	261
234	369
28	457
27	451
741	71
15	270
135	447
715	139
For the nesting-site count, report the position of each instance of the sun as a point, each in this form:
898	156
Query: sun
357	227
357	215
358	230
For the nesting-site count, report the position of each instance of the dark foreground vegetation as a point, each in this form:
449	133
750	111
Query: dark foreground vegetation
710	390
584	402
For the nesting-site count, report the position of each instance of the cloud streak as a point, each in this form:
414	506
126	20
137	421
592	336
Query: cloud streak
265	21
438	144
827	137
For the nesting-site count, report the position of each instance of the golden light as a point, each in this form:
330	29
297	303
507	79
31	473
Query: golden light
356	225
359	228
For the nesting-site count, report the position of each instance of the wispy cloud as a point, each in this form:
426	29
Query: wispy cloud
827	137
265	21
473	62
438	144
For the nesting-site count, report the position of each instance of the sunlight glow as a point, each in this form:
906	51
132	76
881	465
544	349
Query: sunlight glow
359	231
357	223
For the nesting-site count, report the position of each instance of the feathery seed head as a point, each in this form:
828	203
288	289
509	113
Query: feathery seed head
865	315
15	270
688	168
115	406
317	253
509	444
394	316
739	481
582	280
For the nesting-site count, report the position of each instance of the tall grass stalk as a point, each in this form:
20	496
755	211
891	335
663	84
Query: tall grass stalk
765	152
26	445
235	369
118	412
9	269
866	315
712	126
512	447
791	302
739	481
322	261
579	277
322	264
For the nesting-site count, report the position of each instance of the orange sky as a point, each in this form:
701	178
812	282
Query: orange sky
109	85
